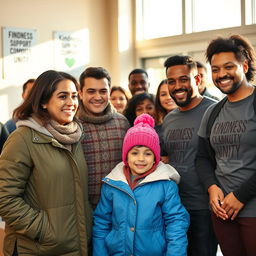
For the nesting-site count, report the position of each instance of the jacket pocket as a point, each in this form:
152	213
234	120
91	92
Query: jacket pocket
160	238
114	242
61	234
150	243
26	246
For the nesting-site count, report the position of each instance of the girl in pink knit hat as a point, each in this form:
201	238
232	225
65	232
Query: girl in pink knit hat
140	212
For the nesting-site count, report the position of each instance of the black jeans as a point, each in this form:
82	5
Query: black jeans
201	237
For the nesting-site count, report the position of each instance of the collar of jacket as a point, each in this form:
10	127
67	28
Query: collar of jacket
162	172
40	138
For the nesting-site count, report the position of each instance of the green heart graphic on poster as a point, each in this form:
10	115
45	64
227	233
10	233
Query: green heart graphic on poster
70	62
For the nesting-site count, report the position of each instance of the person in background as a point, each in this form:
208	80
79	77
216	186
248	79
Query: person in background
3	136
202	87
226	157
43	174
140	212
10	125
104	128
164	104
139	104
180	141
138	81
118	98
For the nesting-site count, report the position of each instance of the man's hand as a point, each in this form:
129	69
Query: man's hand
231	205
216	196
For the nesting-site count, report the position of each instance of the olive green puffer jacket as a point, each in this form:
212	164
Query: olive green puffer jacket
43	196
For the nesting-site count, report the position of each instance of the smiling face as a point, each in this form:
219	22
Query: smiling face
95	95
227	72
118	100
138	83
146	106
63	103
182	84
165	99
140	160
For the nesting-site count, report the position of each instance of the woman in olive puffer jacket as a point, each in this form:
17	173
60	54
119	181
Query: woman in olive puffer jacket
43	174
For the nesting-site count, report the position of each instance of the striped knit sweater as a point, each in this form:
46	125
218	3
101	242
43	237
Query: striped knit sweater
102	144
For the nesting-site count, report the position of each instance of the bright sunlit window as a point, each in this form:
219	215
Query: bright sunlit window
250	12
163	18
206	15
158	18
123	25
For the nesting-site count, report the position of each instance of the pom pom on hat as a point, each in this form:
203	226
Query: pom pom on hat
142	134
145	119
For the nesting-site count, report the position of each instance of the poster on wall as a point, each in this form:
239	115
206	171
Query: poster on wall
18	44
71	50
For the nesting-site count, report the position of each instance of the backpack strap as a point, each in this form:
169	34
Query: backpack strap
215	112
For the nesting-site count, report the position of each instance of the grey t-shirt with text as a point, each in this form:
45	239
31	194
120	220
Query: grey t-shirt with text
180	141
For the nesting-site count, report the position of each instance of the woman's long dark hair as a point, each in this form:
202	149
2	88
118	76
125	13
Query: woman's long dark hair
40	94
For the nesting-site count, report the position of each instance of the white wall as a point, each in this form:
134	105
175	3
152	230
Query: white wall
47	16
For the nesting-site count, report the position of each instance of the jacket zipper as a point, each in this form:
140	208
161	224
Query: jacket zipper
122	190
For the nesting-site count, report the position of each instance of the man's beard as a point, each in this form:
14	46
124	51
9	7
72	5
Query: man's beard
188	99
234	87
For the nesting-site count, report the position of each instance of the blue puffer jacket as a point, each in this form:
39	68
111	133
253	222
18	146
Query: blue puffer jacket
147	221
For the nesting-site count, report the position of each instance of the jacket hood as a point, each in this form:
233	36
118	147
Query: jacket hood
162	172
32	123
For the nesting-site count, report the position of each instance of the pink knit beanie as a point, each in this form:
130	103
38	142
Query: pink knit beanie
143	134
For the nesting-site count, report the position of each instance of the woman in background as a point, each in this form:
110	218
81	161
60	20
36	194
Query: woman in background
163	104
118	98
139	104
43	174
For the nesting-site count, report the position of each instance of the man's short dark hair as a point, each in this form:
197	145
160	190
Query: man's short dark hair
180	60
137	71
237	44
95	72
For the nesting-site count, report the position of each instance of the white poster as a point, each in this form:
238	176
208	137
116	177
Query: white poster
71	49
18	46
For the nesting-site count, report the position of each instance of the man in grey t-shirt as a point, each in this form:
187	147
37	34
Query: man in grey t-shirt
180	141
226	160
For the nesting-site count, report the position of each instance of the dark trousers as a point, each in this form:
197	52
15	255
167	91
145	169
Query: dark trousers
201	237
236	237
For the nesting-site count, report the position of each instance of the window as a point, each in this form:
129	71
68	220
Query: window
162	18
159	18
206	15
250	12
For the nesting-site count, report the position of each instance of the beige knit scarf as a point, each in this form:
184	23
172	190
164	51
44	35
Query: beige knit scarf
66	134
